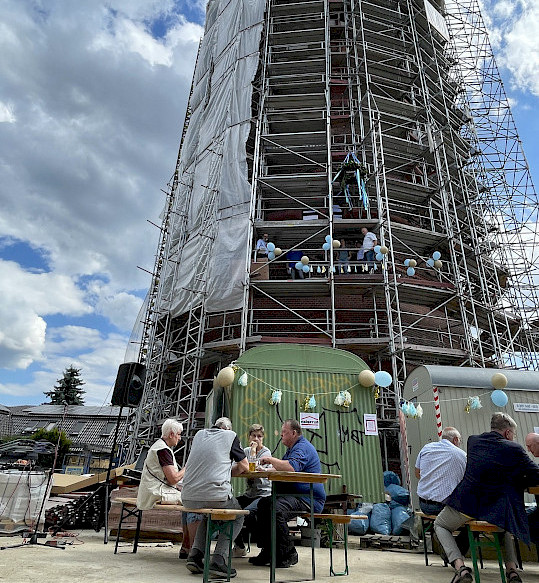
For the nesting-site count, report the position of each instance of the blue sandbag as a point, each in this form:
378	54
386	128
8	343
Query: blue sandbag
398	494
401	519
391	478
360	526
380	522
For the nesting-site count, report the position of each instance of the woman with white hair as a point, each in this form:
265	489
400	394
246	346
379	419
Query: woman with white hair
160	475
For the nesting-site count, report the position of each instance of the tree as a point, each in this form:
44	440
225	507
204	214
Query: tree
67	391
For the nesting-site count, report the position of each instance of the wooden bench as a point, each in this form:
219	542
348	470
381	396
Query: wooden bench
427	525
331	520
476	528
219	520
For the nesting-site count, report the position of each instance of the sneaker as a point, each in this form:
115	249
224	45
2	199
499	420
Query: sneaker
195	561
263	558
183	554
288	561
219	568
238	552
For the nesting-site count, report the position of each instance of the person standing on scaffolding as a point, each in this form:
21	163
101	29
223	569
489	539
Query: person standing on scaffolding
369	243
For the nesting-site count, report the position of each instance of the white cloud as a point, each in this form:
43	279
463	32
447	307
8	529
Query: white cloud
6	113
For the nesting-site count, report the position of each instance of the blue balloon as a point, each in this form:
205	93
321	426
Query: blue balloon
436	255
270	246
306	269
382	378
326	246
499	398
299	266
328	239
410	271
271	255
379	257
377	248
430	262
406	262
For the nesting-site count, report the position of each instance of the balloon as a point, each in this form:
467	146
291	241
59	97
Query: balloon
306	269
299	265
366	378
326	246
430	262
225	377
499	380
384	250
410	271
499	398
438	264
270	247
278	251
406	262
305	260
412	263
271	255
336	243
328	239
436	255
377	248
382	378
379	257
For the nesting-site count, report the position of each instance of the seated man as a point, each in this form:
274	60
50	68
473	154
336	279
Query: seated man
532	445
256	487
216	455
160	474
439	468
492	489
301	456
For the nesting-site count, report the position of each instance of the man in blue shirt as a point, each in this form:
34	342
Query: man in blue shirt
300	456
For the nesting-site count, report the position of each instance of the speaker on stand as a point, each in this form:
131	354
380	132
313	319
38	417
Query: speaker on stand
128	391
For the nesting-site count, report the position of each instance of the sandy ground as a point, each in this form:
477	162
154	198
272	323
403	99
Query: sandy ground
88	560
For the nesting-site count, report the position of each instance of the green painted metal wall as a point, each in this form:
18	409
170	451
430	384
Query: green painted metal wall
300	371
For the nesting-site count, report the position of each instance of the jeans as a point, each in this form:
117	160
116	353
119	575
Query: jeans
222	546
287	507
431	507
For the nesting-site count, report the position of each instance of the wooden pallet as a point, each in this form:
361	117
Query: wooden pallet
385	541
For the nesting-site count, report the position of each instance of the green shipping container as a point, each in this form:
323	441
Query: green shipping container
302	371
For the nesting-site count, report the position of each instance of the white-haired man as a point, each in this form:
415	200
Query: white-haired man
160	474
216	455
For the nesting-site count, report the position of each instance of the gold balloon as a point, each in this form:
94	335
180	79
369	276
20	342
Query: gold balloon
305	260
366	378
384	250
225	376
412	263
438	264
278	251
336	243
499	380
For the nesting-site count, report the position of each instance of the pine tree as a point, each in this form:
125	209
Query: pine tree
68	390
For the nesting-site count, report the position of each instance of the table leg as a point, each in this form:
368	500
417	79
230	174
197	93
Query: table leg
311	509
273	533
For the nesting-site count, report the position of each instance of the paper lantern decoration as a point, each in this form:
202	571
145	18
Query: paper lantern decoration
328	239
419	411
366	378
271	255
242	381
278	251
305	260
336	243
499	398
377	248
473	404
384	250
499	380
299	265
438	264
412	263
436	255
275	397
339	399
309	404
326	246
225	376
410	271
430	262
270	247
382	378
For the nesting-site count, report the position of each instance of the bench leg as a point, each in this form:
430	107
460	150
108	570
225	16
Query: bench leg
137	531
331	531
499	555
125	513
227	527
425	528
473	553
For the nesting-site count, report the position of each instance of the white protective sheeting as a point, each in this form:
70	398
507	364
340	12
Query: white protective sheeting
21	497
208	249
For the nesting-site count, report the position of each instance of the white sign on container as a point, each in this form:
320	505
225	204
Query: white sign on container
526	407
370	424
309	420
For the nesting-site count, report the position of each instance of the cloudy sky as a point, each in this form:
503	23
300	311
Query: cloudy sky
92	101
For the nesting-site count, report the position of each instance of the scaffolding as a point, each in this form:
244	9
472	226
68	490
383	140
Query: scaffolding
409	90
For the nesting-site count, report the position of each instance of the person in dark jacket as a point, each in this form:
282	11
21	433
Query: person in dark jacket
498	470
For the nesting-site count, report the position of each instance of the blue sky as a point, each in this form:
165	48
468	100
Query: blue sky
92	101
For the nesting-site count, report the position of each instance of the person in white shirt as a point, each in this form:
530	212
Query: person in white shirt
369	243
262	247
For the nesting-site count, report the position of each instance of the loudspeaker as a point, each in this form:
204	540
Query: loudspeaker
129	385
